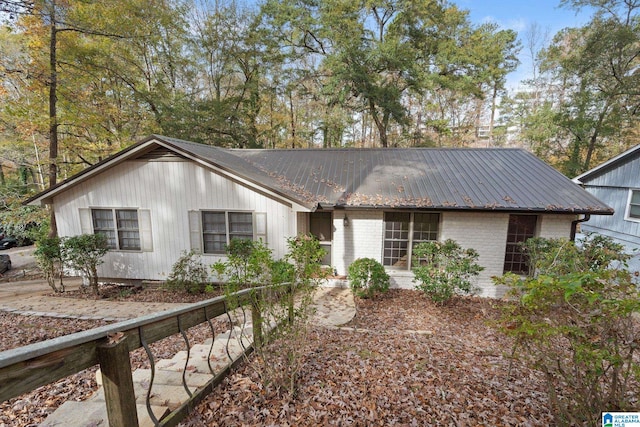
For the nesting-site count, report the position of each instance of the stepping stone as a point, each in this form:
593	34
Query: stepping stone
87	413
170	396
194	380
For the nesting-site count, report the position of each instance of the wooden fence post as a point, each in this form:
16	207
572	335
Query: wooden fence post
256	317
118	382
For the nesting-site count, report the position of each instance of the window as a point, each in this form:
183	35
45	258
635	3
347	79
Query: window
218	228
633	210
521	228
402	231
120	226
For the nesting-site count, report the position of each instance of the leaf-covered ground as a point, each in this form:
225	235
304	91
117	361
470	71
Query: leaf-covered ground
117	292
402	361
17	330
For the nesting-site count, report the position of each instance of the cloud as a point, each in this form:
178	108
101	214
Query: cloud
517	24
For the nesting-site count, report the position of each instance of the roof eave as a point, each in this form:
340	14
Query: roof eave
46	196
563	211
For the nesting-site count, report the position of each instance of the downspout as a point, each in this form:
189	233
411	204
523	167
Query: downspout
574	225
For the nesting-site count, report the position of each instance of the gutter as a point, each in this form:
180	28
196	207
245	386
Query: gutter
574	226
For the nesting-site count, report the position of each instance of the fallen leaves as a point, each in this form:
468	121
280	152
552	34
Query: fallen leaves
382	369
458	375
32	408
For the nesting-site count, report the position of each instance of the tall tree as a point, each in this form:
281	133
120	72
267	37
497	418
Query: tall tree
387	53
591	101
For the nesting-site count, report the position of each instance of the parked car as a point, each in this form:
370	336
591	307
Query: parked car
8	243
5	263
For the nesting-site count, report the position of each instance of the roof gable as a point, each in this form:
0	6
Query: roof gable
623	170
414	178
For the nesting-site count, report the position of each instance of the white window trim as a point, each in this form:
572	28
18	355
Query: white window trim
196	231
410	240
627	213
144	226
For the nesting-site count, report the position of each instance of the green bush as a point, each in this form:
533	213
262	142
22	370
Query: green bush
48	255
287	303
574	321
367	277
84	253
188	274
444	269
248	264
282	272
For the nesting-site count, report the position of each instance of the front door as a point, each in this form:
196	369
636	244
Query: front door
321	226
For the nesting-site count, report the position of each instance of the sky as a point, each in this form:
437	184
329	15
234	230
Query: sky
519	15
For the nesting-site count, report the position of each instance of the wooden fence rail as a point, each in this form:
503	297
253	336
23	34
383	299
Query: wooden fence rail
25	368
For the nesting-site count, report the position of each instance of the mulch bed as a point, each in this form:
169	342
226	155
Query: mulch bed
130	293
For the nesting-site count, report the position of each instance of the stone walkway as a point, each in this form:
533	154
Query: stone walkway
334	307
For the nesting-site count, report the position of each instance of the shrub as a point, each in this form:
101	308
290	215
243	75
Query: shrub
48	255
561	256
282	272
84	253
305	254
367	277
248	264
444	269
576	324
287	304
188	274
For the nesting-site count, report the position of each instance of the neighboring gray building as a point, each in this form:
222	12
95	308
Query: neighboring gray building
617	183
162	196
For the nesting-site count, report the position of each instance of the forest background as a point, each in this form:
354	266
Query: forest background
83	79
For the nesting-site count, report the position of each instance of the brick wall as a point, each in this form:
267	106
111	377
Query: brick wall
362	238
486	232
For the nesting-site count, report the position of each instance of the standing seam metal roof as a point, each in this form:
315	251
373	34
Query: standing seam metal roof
411	178
478	179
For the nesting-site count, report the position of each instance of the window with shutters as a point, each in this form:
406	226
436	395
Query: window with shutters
219	227
120	226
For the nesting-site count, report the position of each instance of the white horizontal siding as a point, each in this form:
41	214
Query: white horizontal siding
169	190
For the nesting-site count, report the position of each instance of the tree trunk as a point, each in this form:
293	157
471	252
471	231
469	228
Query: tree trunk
53	117
492	119
380	124
594	138
293	121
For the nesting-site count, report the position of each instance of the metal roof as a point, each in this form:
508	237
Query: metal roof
404	178
453	178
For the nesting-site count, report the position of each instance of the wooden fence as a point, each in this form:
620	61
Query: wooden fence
25	368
